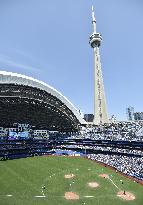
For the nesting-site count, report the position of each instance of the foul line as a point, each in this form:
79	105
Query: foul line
89	196
114	184
40	196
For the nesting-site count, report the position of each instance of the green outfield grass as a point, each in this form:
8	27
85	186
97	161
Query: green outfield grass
23	180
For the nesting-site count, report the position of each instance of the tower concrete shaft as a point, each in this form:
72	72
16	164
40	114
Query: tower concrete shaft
100	112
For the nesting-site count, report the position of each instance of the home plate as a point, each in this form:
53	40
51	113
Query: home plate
40	196
88	196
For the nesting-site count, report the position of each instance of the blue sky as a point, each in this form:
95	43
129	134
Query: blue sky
48	40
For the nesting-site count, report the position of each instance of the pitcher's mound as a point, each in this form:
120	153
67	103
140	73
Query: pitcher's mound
69	176
126	196
106	176
93	184
71	196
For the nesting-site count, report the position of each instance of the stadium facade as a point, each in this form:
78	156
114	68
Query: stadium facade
27	100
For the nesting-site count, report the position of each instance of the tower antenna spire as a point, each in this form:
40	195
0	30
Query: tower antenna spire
93	20
100	111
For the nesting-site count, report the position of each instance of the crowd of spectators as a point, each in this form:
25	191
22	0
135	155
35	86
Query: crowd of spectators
14	147
105	148
132	166
121	131
128	131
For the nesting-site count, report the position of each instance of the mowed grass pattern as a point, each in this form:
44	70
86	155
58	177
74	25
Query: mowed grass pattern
24	178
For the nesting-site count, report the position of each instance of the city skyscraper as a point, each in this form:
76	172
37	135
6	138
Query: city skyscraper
130	113
138	115
100	111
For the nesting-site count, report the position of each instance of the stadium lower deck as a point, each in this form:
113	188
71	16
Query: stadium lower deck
124	153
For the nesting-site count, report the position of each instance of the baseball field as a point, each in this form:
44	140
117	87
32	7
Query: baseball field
64	181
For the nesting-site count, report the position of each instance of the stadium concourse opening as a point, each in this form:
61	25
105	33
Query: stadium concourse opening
27	100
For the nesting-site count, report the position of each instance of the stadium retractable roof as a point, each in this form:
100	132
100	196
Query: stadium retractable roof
27	100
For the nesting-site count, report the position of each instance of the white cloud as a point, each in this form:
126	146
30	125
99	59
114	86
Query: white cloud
7	61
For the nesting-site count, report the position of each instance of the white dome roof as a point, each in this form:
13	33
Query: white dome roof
14	78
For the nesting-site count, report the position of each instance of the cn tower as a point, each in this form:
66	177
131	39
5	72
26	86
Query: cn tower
100	111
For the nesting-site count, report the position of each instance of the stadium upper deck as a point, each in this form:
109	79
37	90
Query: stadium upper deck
27	100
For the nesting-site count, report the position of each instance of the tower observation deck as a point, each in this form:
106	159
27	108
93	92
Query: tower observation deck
100	111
